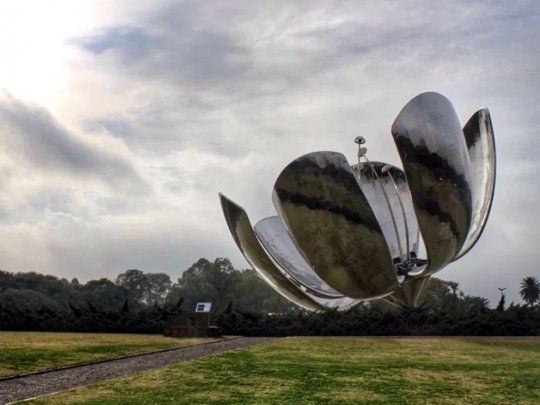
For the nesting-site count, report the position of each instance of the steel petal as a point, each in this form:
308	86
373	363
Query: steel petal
386	189
324	209
278	243
341	304
247	242
432	148
481	147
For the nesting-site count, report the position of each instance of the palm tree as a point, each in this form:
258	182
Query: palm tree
530	290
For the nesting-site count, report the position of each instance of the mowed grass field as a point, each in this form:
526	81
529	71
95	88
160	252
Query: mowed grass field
22	352
305	370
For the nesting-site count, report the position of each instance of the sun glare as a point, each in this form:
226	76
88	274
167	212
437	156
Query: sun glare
35	46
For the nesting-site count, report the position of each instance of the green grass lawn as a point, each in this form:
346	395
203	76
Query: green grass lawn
21	352
338	370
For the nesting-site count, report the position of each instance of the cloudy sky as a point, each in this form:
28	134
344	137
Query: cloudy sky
121	120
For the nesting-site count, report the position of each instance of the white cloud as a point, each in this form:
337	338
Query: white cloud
32	139
192	98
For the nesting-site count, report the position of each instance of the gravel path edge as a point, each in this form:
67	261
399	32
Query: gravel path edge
51	382
87	363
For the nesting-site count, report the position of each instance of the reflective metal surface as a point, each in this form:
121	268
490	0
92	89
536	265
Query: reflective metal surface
386	189
321	204
480	141
345	235
342	304
409	292
432	148
278	243
247	242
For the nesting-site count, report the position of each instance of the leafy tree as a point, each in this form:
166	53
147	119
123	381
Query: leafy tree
243	304
530	290
206	281
218	282
157	286
500	305
475	303
103	294
134	281
253	294
147	288
48	285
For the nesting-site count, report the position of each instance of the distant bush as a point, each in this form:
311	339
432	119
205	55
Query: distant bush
378	321
141	302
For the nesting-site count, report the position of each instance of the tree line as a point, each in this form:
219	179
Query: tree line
137	301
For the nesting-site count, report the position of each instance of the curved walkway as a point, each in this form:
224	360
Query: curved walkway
48	382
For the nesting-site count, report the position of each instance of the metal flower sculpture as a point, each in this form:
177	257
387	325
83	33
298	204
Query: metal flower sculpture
346	234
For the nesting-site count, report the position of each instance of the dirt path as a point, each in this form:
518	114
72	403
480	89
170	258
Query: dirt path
30	386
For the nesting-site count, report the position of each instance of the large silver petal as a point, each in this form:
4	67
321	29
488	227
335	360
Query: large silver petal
480	140
324	209
247	242
432	148
341	304
386	189
278	243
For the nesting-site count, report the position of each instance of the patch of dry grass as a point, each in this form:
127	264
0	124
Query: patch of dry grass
22	352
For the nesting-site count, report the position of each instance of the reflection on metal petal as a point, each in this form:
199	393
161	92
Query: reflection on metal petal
341	304
247	242
280	246
321	204
386	189
409	292
432	148
481	146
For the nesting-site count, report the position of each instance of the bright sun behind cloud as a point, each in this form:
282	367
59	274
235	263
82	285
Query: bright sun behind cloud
35	47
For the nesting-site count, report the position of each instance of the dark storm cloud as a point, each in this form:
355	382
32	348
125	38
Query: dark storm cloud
30	134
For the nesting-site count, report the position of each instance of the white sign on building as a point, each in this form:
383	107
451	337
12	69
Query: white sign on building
203	307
